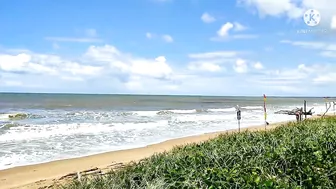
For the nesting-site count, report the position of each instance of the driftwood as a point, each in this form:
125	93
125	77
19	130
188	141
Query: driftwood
116	166
295	112
76	175
92	172
327	109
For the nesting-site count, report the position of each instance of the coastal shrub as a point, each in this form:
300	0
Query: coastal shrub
295	155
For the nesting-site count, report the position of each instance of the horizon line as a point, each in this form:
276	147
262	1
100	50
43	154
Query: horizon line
191	95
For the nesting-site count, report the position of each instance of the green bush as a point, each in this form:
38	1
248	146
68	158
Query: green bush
296	155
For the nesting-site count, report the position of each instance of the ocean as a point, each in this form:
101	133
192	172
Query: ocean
59	126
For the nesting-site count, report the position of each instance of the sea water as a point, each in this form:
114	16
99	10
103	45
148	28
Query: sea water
61	126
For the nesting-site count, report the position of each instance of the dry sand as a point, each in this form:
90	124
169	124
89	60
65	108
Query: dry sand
45	174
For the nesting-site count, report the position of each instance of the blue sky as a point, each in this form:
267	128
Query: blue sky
213	47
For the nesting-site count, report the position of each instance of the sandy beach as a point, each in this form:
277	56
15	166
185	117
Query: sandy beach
46	174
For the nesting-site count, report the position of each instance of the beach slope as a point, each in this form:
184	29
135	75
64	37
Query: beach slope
46	174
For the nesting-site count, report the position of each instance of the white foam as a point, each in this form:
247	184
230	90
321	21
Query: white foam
202	118
155	113
47	131
322	109
252	107
192	111
113	135
145	113
183	111
5	117
139	126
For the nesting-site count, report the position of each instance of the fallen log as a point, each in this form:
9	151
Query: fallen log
82	173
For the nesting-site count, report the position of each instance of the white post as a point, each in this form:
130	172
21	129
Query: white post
238	117
79	176
265	113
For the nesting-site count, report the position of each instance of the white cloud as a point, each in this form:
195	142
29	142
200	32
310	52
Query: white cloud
155	69
134	84
70	39
224	32
214	61
91	36
301	80
13	63
329	78
292	9
302	74
204	66
72	78
240	66
330	54
23	63
216	54
303	67
107	69
258	66
207	18
306	44
99	63
326	49
333	22
239	27
149	35
45	65
161	59
218	60
274	8
331	47
168	38
114	59
76	69
12	83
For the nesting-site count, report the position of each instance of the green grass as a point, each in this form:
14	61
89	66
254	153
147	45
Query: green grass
296	155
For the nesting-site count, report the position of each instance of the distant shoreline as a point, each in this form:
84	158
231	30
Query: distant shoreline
172	95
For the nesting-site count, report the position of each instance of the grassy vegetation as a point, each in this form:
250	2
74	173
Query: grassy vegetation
297	155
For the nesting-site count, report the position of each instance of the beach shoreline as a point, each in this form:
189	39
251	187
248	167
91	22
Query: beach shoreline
45	174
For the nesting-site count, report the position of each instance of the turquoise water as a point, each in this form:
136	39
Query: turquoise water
59	126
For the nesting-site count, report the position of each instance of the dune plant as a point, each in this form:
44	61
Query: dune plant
294	155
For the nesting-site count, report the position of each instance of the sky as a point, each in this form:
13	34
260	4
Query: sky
170	47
